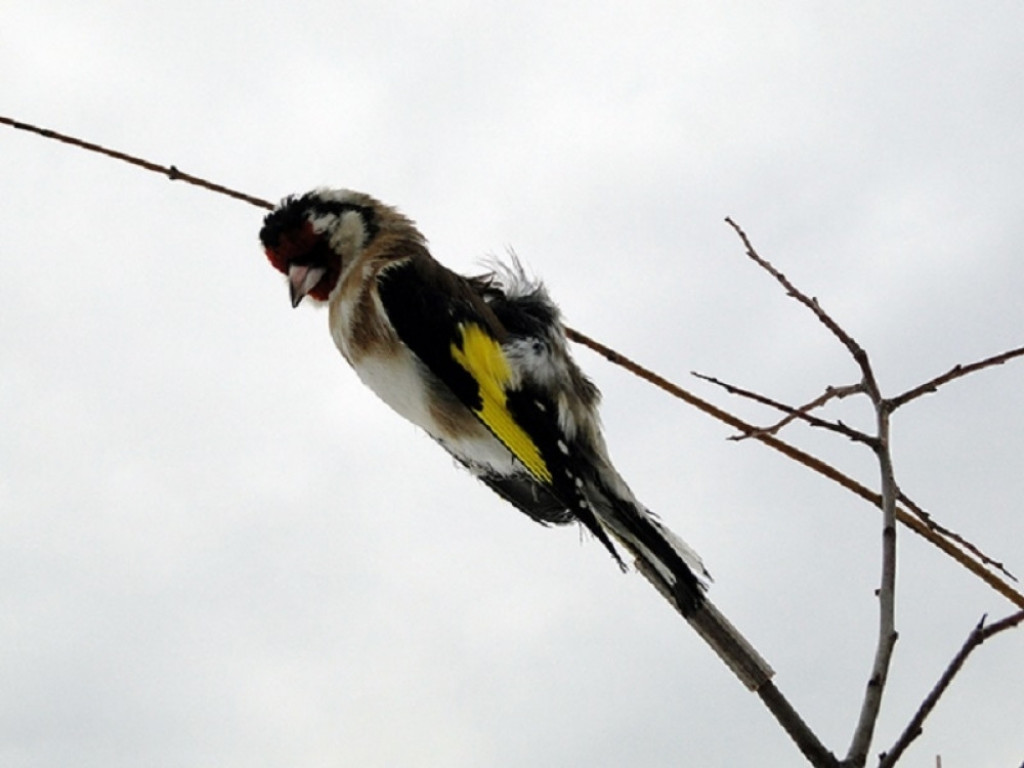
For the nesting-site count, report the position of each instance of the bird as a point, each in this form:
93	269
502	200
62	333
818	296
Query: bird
480	363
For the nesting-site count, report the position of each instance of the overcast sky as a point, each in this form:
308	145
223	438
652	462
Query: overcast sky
217	548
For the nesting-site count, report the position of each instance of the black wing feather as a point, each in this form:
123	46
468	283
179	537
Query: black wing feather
426	303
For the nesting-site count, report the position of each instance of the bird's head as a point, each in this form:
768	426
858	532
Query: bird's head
312	238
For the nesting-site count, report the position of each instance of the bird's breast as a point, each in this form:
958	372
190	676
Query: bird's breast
367	340
397	380
401	381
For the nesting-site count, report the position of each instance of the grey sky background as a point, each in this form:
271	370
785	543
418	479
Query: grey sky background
216	548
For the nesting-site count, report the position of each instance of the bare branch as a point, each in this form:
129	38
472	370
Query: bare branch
915	727
952	548
802	457
830	393
803	737
801	413
169	171
887	636
855	435
928	520
748	665
864	732
855	349
955	372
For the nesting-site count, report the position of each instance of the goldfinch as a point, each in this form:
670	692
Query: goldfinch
480	363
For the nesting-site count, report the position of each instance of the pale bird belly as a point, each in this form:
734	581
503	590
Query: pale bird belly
397	378
397	381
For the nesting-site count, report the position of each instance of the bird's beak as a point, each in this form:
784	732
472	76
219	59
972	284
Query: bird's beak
301	280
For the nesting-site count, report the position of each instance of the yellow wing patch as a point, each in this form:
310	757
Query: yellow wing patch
482	357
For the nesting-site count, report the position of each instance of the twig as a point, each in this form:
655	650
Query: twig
747	664
801	413
855	349
953	373
865	729
802	457
870	707
856	435
804	411
815	752
928	520
915	727
169	171
863	733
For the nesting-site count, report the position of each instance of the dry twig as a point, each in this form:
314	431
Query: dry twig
169	171
802	457
802	413
879	443
863	733
928	520
956	372
855	349
915	727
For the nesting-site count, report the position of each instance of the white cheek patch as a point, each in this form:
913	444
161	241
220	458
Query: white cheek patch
348	235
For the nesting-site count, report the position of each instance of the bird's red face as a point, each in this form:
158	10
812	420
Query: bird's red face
295	249
310	238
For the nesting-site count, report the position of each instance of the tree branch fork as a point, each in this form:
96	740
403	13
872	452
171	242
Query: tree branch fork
878	442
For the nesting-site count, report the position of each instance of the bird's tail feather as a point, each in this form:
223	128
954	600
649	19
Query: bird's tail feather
678	573
667	557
